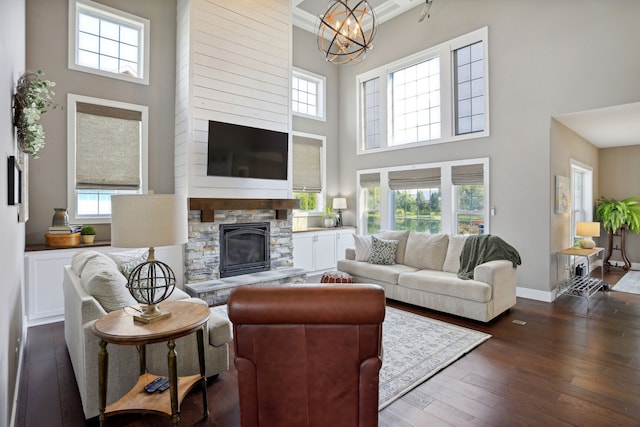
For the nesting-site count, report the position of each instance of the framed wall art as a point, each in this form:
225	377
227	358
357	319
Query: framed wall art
14	181
563	195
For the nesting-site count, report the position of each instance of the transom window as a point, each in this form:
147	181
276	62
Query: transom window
107	41
307	94
434	96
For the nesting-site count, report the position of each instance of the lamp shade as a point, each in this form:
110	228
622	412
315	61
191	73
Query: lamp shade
339	203
590	229
148	220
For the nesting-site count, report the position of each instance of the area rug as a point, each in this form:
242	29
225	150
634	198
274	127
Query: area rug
630	283
415	348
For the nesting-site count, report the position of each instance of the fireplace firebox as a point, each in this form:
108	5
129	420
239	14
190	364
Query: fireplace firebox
244	248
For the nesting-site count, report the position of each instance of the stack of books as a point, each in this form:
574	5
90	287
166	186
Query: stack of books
65	229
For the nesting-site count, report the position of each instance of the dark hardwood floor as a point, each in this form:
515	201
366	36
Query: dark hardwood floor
562	368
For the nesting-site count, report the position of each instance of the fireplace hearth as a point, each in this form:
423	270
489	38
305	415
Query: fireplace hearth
244	248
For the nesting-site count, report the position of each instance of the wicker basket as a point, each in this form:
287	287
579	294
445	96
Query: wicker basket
62	240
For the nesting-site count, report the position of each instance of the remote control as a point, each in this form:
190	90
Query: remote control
155	384
164	386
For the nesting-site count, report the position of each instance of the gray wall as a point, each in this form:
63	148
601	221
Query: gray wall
544	60
307	57
47	50
12	58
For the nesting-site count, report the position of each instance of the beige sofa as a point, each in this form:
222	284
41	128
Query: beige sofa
425	273
93	285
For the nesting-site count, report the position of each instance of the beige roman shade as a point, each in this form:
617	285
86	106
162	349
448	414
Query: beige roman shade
467	175
414	179
108	144
370	180
307	177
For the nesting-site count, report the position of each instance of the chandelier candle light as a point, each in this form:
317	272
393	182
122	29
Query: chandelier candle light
588	230
149	220
346	31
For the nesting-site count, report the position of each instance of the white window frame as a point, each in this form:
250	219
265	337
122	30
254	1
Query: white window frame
72	201
587	194
447	93
322	196
447	194
118	16
321	96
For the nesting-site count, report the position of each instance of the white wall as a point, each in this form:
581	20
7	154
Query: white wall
234	66
12	60
560	57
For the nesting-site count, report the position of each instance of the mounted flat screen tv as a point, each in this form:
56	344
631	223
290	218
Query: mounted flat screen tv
246	152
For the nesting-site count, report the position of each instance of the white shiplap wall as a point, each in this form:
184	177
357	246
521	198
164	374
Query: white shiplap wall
233	65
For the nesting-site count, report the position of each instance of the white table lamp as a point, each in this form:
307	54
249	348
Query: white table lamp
149	220
588	230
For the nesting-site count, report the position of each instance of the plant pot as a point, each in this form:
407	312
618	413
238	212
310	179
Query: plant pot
88	238
329	222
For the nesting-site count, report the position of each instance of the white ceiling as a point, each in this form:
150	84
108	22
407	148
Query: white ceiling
306	12
606	127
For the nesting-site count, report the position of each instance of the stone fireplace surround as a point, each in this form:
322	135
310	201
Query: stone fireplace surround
202	251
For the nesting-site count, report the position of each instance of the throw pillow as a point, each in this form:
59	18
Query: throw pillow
363	247
102	280
452	260
128	260
401	237
383	251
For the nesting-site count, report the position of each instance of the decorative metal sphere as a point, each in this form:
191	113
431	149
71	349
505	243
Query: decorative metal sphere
346	31
151	282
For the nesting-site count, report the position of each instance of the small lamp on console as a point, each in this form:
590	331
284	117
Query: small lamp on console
588	230
149	220
339	203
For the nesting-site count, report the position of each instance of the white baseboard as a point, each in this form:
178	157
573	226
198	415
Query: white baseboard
534	294
16	392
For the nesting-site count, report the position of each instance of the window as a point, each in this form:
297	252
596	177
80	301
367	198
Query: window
307	94
468	187
308	172
370	183
469	84
581	195
434	96
106	155
416	199
446	197
108	42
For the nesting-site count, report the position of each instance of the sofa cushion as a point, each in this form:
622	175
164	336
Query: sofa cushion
383	251
80	259
452	260
363	247
376	272
401	236
444	283
102	280
426	250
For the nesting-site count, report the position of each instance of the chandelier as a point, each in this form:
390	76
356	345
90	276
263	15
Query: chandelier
346	31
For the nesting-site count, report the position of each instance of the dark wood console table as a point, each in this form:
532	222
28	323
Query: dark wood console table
623	254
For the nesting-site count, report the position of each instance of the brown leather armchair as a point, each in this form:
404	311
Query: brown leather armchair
308	355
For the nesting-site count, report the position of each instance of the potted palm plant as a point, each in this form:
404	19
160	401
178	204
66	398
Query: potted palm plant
616	216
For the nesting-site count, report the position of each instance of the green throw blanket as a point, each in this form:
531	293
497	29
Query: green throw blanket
484	248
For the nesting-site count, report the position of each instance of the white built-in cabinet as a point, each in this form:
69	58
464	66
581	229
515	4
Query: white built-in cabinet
44	273
319	250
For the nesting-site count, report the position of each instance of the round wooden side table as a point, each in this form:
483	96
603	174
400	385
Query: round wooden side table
119	327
